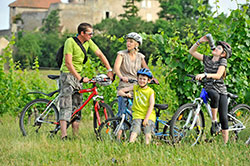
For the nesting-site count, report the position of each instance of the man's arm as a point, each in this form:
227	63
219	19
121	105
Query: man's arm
105	62
72	70
69	65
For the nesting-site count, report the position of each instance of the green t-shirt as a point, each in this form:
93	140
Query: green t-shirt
72	48
141	103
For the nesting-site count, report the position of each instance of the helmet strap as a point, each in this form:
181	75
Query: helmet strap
144	85
223	52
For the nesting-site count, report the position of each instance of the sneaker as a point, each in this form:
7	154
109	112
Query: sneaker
64	138
215	129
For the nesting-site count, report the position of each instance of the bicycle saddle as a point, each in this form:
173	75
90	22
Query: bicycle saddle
53	77
161	106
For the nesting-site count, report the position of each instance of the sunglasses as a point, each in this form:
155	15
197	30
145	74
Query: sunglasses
219	48
89	33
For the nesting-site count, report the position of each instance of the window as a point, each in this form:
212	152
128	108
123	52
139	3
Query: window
143	4
107	14
149	17
149	4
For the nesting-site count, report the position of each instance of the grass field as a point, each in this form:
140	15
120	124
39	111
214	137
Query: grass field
18	150
86	150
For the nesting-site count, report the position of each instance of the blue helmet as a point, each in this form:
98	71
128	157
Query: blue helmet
146	72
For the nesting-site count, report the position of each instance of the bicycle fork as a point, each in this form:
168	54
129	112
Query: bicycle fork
190	115
120	125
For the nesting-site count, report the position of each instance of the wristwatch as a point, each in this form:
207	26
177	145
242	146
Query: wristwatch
205	75
110	70
81	80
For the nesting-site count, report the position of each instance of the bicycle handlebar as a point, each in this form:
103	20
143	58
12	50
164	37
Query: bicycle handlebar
204	80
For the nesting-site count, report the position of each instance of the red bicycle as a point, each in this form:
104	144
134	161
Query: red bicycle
42	115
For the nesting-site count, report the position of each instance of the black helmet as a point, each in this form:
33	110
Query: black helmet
226	48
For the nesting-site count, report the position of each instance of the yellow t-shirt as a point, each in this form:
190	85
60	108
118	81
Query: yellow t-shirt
72	48
141	103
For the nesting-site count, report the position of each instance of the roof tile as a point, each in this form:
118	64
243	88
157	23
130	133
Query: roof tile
33	3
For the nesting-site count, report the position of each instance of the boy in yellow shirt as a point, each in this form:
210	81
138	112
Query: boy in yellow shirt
143	105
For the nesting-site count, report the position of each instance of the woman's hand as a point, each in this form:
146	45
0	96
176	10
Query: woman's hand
155	80
124	79
203	39
200	76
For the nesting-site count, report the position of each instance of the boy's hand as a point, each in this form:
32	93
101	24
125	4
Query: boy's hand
128	95
145	122
154	81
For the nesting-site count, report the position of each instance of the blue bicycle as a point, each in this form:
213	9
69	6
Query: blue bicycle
109	130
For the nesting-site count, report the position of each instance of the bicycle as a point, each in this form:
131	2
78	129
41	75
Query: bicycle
110	128
42	115
188	123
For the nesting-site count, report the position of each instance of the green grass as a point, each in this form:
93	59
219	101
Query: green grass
86	150
44	73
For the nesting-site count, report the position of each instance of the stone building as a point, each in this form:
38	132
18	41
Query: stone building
28	14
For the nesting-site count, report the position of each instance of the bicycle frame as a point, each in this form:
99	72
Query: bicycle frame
203	99
93	95
159	134
126	113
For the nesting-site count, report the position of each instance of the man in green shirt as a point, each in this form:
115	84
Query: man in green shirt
70	78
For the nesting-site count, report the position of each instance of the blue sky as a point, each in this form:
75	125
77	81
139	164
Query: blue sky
225	6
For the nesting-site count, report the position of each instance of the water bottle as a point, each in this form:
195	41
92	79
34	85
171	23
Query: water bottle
210	41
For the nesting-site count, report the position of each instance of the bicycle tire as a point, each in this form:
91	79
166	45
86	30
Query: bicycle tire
30	113
107	130
166	133
114	106
101	106
242	113
182	135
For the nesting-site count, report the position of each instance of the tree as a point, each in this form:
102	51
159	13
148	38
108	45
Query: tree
131	10
43	44
179	9
28	48
112	32
51	23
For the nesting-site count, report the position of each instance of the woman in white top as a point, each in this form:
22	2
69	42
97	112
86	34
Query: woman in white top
127	63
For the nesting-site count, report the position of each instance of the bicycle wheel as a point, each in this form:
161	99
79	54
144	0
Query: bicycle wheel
242	113
114	106
180	128
102	107
109	129
166	133
32	112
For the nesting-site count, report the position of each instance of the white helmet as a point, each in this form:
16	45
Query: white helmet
103	79
135	36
